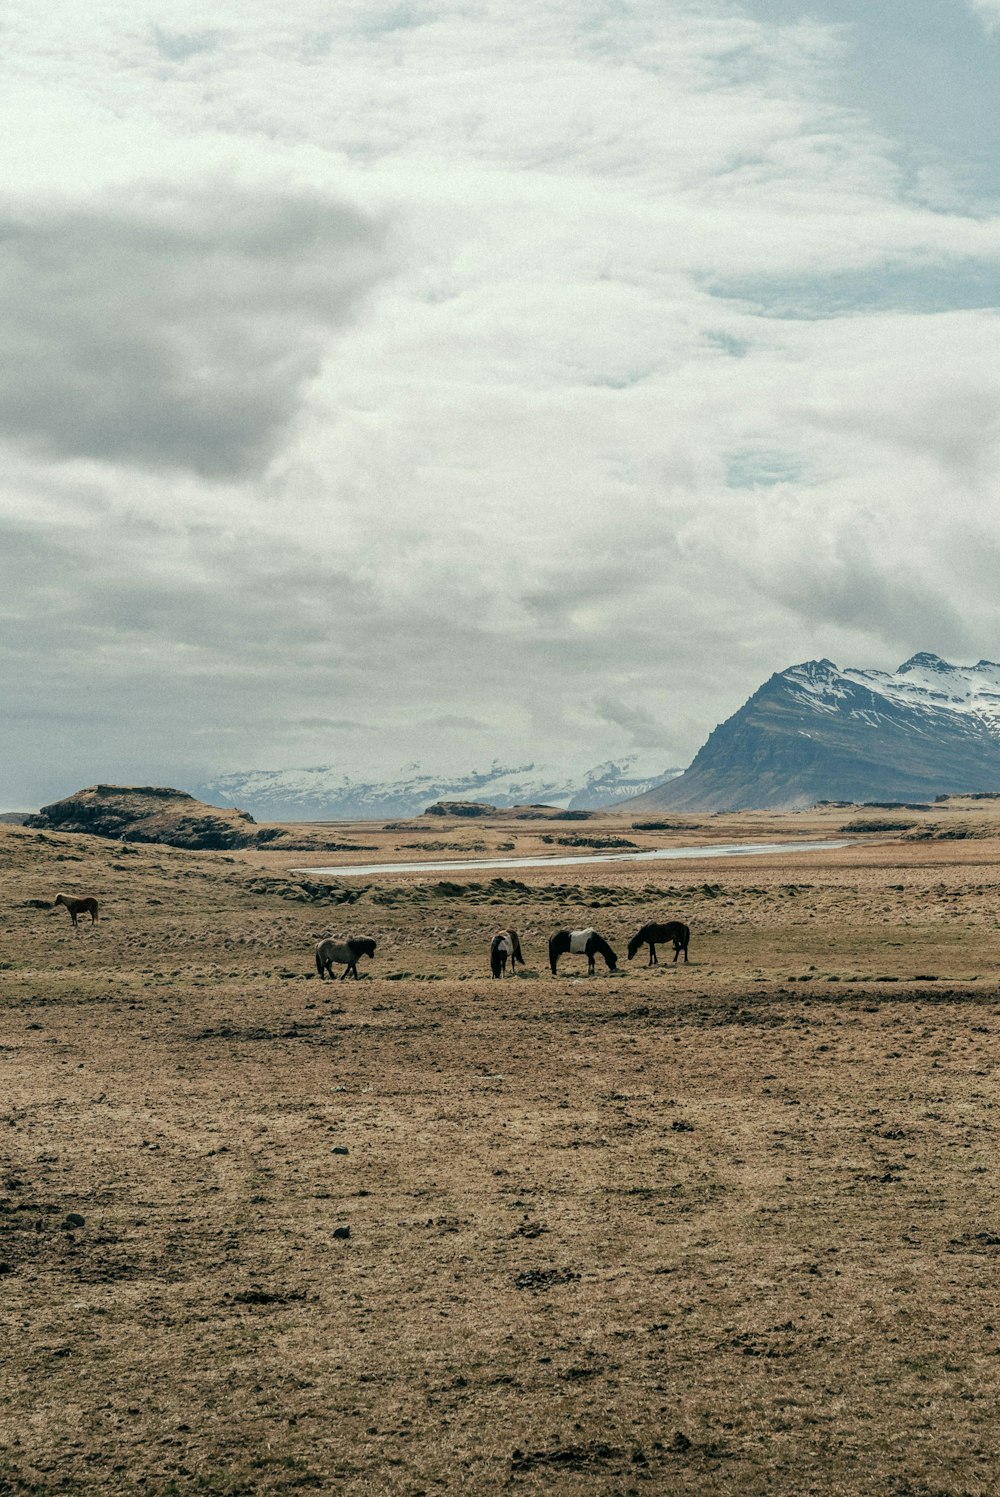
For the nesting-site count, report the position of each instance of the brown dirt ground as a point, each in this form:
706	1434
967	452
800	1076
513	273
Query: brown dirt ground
730	1227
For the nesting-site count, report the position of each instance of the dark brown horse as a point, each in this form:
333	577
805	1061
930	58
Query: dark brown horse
85	906
673	930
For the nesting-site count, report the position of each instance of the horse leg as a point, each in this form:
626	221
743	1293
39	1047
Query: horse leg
654	960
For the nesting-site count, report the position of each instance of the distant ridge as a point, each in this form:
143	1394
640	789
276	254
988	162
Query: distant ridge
326	794
815	732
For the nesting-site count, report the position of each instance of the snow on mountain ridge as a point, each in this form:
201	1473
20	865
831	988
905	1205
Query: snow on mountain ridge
324	793
927	680
924	680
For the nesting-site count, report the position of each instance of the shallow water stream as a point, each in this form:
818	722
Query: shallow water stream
658	854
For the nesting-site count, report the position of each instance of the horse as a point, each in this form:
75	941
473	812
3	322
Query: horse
505	944
85	906
674	931
330	951
583	942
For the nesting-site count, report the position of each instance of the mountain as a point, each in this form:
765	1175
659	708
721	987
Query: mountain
324	794
815	732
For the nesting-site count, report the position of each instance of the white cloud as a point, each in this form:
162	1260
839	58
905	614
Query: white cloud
640	258
987	10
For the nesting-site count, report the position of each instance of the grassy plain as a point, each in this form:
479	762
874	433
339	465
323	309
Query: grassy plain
729	1227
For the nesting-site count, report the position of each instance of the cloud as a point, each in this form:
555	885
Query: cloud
853	591
988	11
174	328
679	367
180	46
643	729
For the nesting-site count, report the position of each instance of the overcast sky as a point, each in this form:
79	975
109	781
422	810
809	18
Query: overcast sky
406	380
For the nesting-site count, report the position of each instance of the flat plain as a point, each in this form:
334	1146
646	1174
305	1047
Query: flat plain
724	1227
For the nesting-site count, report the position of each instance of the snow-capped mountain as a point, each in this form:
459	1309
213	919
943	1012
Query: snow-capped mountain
324	794
814	732
924	682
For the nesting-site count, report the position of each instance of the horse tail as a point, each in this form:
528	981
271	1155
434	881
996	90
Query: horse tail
319	960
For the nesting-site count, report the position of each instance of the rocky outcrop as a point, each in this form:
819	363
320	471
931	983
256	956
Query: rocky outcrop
460	808
152	813
815	732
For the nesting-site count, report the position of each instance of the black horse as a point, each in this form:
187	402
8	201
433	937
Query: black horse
505	944
585	943
674	931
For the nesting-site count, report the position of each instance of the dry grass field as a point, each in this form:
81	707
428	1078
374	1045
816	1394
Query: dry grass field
729	1227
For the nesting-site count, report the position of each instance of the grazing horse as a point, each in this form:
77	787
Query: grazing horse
505	944
674	931
85	906
585	943
330	951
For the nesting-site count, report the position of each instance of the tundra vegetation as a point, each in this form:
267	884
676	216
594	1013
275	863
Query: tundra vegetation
728	1227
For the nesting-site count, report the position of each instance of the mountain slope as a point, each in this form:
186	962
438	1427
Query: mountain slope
326	794
815	732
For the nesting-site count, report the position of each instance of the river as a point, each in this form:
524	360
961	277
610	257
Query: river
658	854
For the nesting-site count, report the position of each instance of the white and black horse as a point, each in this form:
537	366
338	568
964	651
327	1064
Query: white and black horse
673	930
505	946
330	951
584	943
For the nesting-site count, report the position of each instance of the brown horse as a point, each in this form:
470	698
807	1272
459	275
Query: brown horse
85	906
674	930
330	951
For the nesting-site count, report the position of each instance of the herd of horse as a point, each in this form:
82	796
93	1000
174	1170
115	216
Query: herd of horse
505	947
